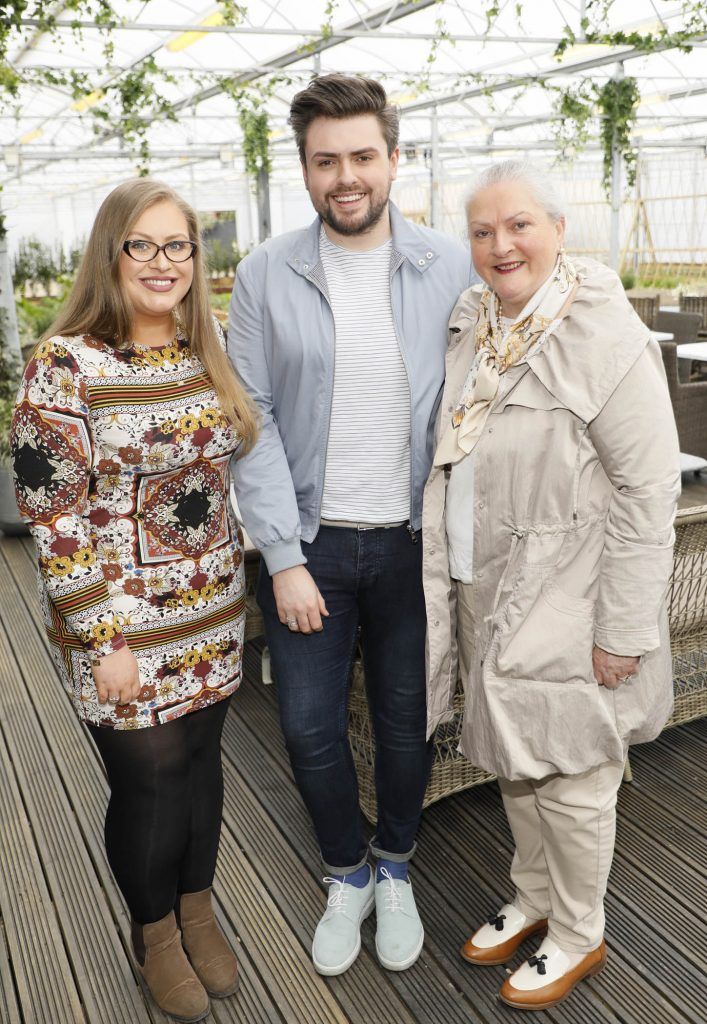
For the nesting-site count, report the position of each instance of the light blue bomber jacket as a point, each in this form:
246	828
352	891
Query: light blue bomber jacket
281	339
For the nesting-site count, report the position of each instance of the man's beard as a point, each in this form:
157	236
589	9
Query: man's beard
377	205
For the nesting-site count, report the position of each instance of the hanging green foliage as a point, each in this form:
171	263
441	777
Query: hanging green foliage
596	16
233	13
46	13
617	100
574	107
128	105
129	100
327	27
614	105
256	140
251	103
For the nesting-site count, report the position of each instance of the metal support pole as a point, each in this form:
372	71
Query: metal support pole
434	171
248	201
640	229
262	187
616	168
7	302
192	186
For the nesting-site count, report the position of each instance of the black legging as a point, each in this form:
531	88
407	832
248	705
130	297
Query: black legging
164	814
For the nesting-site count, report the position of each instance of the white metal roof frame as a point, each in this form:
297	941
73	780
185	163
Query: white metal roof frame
50	145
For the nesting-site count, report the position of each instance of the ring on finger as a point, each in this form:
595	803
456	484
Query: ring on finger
113	700
624	679
293	624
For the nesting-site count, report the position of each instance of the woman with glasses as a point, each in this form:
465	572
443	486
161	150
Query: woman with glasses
127	419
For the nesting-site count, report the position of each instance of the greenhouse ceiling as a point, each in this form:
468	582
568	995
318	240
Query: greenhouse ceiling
92	92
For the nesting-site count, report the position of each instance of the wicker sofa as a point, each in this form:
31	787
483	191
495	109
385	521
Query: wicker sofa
451	772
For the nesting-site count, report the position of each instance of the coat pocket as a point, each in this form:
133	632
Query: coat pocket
548	639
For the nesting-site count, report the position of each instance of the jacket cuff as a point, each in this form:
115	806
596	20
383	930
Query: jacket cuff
283	555
104	640
627	643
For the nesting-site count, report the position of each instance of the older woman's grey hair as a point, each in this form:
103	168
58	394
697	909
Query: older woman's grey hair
534	177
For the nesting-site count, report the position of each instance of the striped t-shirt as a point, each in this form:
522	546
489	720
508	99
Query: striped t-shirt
367	475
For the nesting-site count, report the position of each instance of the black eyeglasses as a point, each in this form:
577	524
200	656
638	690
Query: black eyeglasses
176	252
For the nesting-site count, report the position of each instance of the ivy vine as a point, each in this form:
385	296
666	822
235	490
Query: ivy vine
256	140
46	13
129	104
694	17
327	27
617	100
574	108
129	100
251	103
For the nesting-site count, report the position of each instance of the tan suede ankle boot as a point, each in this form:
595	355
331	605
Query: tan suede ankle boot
210	954
169	976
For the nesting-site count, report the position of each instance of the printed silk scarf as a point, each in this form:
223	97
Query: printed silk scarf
497	351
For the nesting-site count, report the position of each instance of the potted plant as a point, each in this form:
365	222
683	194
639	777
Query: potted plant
11	522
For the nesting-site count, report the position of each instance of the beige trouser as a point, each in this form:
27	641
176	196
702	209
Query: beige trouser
564	828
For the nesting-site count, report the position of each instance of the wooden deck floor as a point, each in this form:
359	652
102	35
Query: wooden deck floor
63	927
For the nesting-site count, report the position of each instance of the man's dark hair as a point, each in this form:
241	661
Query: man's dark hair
342	96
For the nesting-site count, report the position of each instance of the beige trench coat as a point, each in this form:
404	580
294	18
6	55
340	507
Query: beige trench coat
576	479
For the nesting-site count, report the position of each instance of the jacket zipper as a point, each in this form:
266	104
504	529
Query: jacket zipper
325	445
394	268
575	495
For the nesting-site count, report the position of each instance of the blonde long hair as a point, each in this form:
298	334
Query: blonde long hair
98	305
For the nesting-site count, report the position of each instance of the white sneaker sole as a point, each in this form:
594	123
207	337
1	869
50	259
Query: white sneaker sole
401	965
329	970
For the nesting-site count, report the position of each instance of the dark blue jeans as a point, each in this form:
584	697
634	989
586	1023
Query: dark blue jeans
370	579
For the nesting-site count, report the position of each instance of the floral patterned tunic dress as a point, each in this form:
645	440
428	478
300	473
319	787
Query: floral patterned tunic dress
121	461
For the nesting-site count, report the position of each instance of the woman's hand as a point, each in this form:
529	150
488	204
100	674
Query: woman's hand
117	676
611	670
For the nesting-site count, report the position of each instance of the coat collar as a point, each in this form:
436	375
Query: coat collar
597	343
584	360
409	242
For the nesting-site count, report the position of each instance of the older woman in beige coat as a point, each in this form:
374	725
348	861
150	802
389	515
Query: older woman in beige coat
547	549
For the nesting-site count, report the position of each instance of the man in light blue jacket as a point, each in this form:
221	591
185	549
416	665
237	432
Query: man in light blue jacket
339	332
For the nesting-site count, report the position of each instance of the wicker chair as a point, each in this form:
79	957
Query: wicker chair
647	307
696	304
689	400
687	609
684	327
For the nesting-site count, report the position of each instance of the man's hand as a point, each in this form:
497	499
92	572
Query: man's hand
117	676
611	670
300	606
